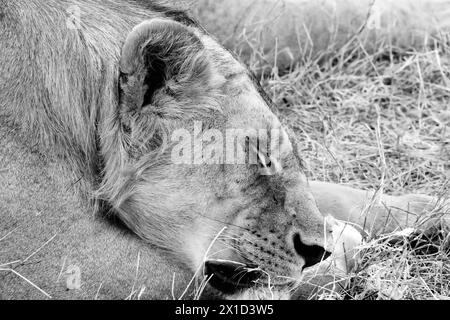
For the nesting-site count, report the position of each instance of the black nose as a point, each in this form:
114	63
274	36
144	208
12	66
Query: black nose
229	277
312	254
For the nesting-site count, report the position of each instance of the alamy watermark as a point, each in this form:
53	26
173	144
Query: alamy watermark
230	146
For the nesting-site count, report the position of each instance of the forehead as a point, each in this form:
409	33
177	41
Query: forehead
228	65
244	104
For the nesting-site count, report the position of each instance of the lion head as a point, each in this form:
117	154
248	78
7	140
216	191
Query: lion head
240	222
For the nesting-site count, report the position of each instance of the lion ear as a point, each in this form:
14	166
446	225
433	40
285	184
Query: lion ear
160	57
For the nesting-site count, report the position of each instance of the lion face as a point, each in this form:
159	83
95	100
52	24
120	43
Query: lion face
174	177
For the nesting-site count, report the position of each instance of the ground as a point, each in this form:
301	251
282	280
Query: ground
378	120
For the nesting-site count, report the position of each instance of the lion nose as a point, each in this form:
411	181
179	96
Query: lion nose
312	254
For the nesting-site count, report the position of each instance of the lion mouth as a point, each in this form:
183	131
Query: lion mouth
230	277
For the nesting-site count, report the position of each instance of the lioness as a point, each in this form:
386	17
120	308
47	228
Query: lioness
91	106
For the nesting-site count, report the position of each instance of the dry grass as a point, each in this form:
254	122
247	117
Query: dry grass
372	121
344	111
407	264
403	267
